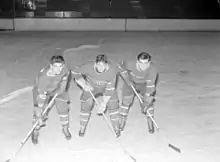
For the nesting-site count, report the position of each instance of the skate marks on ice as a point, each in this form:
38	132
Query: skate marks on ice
189	123
15	122
100	155
86	53
15	94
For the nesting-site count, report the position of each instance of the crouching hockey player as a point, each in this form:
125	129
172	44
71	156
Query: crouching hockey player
143	76
99	78
52	79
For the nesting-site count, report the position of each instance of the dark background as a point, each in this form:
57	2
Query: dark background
146	9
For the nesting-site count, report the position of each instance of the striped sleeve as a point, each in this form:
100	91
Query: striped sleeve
151	82
110	89
64	83
111	85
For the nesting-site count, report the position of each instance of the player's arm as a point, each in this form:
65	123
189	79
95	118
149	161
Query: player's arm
80	78
63	86
35	92
110	89
39	94
108	93
151	82
121	66
124	72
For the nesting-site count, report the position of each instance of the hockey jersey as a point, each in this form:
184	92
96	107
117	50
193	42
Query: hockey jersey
106	80
148	76
46	83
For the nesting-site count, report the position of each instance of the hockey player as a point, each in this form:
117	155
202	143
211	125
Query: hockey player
142	74
100	78
52	79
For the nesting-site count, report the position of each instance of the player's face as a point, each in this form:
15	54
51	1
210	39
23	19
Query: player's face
57	68
143	64
101	66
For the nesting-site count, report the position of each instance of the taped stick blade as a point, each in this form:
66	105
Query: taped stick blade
174	148
8	160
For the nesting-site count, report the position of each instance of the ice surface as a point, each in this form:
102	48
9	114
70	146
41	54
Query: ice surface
187	106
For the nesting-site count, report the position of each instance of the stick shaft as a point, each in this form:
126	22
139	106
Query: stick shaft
111	127
105	117
142	102
152	119
31	130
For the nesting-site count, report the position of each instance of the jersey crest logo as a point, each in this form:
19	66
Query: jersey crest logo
100	82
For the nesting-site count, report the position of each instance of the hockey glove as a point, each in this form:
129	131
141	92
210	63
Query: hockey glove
126	77
148	103
103	105
84	85
101	108
41	99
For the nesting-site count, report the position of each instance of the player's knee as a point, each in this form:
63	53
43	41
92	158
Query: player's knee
37	111
86	105
85	96
64	109
113	104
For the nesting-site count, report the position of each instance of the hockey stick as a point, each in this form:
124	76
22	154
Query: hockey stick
111	127
32	129
152	119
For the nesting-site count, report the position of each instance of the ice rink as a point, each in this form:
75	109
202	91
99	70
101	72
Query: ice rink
187	106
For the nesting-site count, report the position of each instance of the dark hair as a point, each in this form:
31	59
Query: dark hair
57	59
144	56
101	58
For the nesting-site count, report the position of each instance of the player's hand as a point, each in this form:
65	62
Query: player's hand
126	77
125	74
101	109
88	87
41	99
39	105
41	122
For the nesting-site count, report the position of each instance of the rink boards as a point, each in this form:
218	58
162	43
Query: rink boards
47	24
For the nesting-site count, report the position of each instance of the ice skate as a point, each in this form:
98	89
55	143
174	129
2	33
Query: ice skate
82	131
34	137
151	129
66	132
122	124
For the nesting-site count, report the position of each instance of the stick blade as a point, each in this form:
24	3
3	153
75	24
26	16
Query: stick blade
8	160
174	148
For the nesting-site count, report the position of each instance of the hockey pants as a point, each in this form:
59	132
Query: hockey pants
62	106
87	104
128	99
